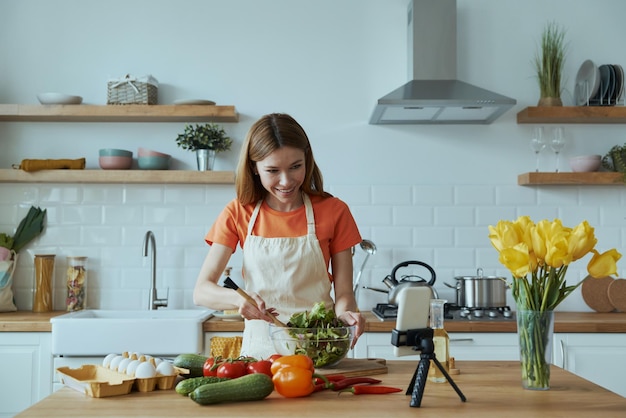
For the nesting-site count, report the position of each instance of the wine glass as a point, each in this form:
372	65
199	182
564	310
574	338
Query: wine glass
557	143
537	143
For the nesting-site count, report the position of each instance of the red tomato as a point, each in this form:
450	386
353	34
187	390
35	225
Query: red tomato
231	370
273	357
208	369
261	366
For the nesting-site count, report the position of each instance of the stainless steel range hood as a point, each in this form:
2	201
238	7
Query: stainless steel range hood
434	95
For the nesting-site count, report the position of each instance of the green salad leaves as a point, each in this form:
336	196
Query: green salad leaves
320	335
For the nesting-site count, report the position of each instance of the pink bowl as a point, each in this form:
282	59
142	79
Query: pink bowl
143	152
585	163
115	163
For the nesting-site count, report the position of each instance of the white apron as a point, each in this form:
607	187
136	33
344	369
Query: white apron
290	275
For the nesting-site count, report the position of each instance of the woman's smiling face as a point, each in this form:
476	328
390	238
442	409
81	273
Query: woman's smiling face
282	173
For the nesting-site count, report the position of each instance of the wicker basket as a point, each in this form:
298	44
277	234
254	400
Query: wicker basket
131	90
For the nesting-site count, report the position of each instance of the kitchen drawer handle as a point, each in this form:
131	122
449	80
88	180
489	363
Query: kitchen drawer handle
461	339
562	354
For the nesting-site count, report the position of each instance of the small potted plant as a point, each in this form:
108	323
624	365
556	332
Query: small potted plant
206	140
549	65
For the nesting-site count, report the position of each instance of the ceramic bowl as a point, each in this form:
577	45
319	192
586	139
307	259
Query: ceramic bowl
114	152
325	346
585	163
58	98
144	152
153	162
115	162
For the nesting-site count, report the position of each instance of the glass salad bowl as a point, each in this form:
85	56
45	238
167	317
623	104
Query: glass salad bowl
326	346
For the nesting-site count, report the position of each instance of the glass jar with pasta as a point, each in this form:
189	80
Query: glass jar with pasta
75	283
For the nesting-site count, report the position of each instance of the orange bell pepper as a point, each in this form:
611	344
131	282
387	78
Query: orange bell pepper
293	376
298	360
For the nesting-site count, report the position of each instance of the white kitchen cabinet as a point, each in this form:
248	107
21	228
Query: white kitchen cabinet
596	357
26	365
463	346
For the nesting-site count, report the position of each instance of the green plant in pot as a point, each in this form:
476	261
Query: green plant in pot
206	140
549	65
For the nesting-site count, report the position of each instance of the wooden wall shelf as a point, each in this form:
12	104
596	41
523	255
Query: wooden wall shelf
572	114
118	176
571	179
117	113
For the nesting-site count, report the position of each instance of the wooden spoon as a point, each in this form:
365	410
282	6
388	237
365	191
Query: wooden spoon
230	284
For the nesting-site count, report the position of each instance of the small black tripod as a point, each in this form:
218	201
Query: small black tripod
423	338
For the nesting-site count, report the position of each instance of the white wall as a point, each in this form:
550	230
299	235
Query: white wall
419	192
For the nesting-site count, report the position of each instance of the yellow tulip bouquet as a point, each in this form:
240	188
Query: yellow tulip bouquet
538	255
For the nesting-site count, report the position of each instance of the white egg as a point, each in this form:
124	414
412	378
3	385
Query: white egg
144	370
115	362
157	361
165	368
132	366
107	360
123	365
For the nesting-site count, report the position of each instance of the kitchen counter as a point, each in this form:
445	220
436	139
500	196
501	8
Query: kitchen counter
563	322
577	322
492	389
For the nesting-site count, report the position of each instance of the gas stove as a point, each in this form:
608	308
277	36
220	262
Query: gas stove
388	312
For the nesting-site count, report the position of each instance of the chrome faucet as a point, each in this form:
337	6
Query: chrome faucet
155	302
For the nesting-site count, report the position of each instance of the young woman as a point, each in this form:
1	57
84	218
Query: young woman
291	231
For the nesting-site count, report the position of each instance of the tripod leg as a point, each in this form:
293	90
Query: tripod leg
443	370
421	373
409	390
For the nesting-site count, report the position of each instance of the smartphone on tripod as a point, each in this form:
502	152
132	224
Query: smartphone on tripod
413	313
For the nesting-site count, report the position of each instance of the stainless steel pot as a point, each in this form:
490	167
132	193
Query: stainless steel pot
480	291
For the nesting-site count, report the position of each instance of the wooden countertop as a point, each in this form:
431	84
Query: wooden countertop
563	322
583	322
492	389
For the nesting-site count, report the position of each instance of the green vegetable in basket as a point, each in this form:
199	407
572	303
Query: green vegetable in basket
29	228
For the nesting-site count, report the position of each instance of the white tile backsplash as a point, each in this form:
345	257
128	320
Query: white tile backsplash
108	226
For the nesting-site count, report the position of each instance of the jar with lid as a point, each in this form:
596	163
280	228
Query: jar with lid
44	277
75	282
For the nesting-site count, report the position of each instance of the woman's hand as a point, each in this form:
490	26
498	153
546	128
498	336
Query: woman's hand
249	310
354	318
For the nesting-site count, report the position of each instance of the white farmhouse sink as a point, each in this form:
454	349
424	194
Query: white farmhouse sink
162	332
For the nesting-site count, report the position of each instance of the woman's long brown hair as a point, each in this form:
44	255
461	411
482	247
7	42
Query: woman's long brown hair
269	133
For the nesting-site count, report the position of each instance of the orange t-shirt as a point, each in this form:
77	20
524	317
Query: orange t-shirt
335	227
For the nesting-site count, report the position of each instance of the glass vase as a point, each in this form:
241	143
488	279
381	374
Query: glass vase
536	334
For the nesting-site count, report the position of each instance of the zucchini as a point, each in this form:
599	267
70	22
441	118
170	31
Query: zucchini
251	387
191	362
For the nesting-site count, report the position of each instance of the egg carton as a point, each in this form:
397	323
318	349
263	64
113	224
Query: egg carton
100	382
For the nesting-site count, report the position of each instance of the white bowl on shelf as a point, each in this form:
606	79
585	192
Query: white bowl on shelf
58	98
585	163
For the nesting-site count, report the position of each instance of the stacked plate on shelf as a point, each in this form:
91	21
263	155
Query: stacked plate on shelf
599	85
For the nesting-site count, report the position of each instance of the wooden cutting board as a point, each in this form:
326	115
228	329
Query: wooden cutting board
595	293
350	367
617	294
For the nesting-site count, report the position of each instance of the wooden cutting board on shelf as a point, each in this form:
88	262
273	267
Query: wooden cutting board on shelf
351	367
595	293
617	294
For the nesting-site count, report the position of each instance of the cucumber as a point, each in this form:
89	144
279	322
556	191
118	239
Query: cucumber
251	387
185	387
191	362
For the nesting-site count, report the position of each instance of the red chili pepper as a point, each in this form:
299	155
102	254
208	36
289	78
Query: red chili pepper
375	390
330	378
350	381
